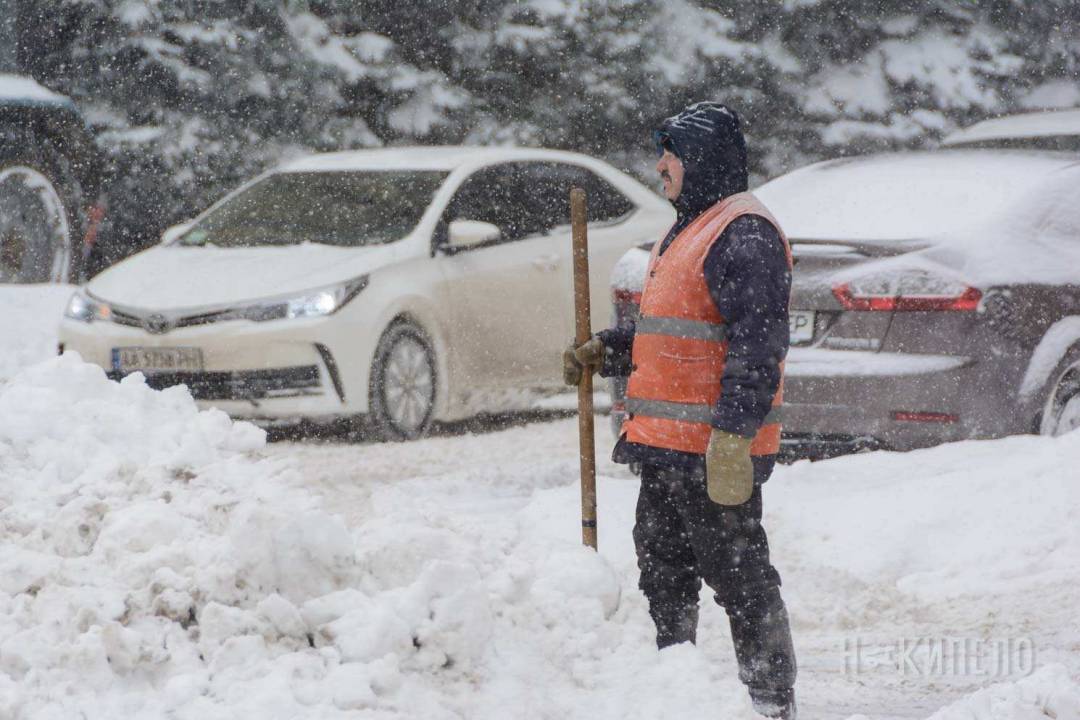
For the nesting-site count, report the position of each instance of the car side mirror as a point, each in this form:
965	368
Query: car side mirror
469	233
175	231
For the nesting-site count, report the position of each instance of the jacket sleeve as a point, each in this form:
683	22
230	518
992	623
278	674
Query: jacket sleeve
618	343
750	282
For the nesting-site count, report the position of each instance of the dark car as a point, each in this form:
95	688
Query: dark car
51	201
936	297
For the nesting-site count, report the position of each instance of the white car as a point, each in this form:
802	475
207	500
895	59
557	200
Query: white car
406	285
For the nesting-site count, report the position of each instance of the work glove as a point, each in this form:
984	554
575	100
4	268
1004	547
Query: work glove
576	358
729	474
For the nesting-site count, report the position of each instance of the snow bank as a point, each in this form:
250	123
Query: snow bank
964	519
159	561
1049	693
151	565
29	323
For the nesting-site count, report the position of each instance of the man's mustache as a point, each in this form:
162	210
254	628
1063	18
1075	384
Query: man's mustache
664	175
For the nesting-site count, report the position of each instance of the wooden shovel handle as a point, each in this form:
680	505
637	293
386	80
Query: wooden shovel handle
583	331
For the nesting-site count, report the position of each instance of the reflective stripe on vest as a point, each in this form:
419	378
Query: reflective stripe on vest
680	327
687	411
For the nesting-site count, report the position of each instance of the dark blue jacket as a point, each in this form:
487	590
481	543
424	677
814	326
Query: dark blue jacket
746	271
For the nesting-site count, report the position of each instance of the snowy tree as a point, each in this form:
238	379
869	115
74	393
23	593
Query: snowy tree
189	98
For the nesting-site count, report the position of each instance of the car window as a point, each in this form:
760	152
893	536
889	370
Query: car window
549	187
493	195
548	193
606	204
533	198
512	196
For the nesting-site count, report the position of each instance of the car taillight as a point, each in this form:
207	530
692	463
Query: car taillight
907	290
626	296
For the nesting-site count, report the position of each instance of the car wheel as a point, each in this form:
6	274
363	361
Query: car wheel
40	203
1061	414
403	381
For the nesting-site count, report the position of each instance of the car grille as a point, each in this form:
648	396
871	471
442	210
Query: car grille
249	385
159	323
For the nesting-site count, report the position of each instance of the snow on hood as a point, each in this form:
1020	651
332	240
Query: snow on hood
176	277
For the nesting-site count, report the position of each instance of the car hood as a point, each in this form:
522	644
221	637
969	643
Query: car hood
176	277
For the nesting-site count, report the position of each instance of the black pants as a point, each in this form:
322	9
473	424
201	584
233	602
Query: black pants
682	537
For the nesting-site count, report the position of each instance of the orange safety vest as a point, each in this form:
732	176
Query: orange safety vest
680	343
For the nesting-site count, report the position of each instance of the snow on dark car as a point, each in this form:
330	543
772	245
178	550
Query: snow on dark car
1046	130
936	297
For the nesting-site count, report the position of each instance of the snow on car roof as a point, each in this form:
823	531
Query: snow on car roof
1027	125
423	158
19	88
904	196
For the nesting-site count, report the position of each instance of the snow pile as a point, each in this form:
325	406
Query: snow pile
152	565
159	561
971	518
29	324
1049	693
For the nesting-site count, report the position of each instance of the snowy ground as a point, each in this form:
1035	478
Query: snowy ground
159	561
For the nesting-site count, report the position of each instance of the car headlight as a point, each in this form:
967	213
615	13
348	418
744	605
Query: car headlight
315	303
86	309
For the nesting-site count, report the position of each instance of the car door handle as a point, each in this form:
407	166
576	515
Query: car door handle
547	263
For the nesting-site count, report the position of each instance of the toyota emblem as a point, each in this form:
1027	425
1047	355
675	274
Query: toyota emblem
156	324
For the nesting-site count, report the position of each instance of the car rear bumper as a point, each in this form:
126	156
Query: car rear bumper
842	401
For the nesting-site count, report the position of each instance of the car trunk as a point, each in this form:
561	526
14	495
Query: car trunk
814	301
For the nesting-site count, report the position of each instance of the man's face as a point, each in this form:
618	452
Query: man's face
671	172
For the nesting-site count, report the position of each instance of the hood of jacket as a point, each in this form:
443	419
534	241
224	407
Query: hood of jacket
707	138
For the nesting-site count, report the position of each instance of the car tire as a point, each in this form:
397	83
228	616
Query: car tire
1061	410
41	204
403	384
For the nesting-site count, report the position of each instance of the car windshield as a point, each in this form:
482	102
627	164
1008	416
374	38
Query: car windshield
345	209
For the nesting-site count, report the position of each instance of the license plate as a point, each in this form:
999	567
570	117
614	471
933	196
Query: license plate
801	326
170	359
